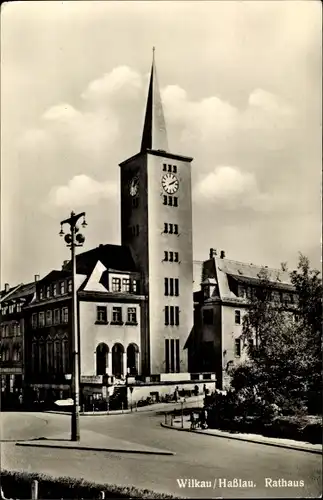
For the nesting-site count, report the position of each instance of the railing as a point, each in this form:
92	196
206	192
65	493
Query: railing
34	492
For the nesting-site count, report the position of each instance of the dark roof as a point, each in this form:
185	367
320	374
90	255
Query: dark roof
258	282
24	290
115	257
55	275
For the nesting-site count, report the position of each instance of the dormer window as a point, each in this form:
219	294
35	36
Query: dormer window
54	289
41	294
126	285
62	287
116	284
69	286
47	292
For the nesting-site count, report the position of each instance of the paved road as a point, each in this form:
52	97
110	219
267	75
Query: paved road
198	457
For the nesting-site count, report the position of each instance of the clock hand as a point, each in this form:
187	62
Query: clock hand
173	182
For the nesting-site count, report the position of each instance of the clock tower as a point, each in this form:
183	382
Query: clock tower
156	223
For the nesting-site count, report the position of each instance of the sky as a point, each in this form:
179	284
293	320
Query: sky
241	88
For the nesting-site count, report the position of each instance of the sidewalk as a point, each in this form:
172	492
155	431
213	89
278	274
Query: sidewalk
167	407
93	441
251	438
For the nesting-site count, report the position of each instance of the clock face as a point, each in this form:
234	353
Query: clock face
134	186
170	183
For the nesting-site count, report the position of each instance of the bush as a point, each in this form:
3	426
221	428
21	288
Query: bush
17	484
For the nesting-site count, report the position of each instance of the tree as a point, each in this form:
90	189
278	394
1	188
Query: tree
284	365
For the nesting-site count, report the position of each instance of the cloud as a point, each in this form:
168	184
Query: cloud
82	191
231	188
122	81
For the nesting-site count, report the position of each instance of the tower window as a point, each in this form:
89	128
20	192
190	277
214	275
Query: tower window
165	227
177	356
170	228
237	317
171	256
237	347
167	315
171	287
175	201
169	168
176	315
165	200
166	286
175	256
164	167
175	228
166	256
170	201
167	355
174	169
172	315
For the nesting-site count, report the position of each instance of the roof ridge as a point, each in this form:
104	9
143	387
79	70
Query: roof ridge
251	264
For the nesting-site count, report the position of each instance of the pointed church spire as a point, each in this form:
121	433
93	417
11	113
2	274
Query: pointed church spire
154	135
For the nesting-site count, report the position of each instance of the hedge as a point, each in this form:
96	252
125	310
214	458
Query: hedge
17	484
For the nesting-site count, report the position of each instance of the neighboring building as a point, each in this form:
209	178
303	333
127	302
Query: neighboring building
219	307
12	326
110	310
156	223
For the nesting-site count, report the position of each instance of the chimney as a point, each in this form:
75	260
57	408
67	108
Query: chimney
6	287
222	255
65	262
36	277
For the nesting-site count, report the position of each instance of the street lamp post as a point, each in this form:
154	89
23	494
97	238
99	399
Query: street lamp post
74	239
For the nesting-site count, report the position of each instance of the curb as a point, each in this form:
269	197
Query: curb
97	448
249	440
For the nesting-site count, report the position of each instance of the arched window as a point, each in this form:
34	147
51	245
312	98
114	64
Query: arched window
117	360
132	359
50	356
102	351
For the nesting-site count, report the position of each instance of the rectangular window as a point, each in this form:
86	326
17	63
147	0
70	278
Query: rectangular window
41	319
101	314
126	284
116	315
176	287
165	227
167	355
34	320
69	286
171	287
169	168
165	256
134	286
170	228
176	315
177	356
47	292
170	201
171	314
237	347
171	256
132	315
62	287
116	284
172	355
57	316
175	228
167	315
174	169
164	200
164	167
208	316
175	256
49	317
41	294
237	317
137	229
175	201
19	307
54	289
166	286
65	315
